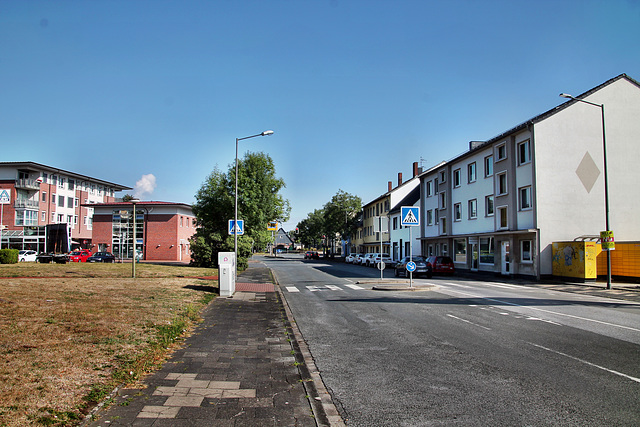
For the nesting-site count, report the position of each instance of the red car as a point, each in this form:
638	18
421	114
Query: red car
441	264
80	255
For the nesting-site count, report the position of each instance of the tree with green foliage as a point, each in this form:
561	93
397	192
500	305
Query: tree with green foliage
311	229
259	201
341	214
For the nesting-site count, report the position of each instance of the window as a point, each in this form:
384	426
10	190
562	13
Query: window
53	217
429	188
44	196
60	218
502	183
471	172
486	250
503	218
501	152
525	198
61	183
430	250
443	176
53	199
395	223
61	201
443	225
70	202
443	200
54	180
436	216
525	251
69	219
460	250
488	201
524	152
456	178
72	184
473	209
26	218
429	217
76	202
43	216
457	212
488	166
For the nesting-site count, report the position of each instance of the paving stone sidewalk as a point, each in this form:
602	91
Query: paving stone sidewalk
237	369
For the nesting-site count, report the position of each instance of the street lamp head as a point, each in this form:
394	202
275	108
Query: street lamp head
566	95
267	132
134	201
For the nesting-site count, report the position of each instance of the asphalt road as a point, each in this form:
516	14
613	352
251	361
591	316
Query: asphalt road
466	352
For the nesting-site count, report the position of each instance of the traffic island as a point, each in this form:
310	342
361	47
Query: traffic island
403	287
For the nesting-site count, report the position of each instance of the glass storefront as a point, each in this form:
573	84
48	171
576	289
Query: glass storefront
122	233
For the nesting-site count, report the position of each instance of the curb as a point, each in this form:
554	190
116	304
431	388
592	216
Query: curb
324	410
405	288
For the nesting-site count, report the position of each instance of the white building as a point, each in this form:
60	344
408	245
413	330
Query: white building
500	206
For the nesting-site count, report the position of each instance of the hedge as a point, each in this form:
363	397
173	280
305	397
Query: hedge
8	256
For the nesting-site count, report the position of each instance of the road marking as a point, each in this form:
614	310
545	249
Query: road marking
313	288
292	289
333	287
467	321
547	311
587	363
354	287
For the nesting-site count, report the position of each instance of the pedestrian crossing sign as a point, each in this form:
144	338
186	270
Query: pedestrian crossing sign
410	215
238	229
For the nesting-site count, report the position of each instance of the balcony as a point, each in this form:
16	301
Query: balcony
26	204
28	184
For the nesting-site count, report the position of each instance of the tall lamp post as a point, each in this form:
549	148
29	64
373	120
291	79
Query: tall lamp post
606	178
235	216
133	259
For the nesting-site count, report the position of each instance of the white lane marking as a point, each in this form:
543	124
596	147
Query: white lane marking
587	363
467	321
333	287
354	287
292	289
547	311
313	288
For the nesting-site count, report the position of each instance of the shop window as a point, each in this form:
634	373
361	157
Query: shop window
460	250
487	250
525	251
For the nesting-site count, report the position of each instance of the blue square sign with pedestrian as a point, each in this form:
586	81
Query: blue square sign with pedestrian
409	215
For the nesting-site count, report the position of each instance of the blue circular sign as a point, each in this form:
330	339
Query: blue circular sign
411	266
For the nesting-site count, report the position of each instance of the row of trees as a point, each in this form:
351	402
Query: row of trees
259	202
339	216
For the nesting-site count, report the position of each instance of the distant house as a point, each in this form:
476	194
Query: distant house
283	240
163	230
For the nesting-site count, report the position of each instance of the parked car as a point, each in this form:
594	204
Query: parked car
27	255
351	258
422	267
101	257
368	259
441	264
80	255
358	259
57	258
311	255
384	258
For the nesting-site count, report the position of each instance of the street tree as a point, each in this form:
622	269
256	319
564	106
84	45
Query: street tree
259	201
311	229
341	214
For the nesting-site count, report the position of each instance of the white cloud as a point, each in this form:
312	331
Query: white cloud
145	186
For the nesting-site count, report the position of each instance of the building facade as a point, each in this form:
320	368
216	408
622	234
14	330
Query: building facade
500	206
38	197
163	230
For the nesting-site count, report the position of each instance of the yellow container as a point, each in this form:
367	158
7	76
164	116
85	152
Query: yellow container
575	259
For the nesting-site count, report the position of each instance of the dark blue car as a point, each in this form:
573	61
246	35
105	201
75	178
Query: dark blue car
101	257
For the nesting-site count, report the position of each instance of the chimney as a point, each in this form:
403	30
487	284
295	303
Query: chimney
399	179
390	187
415	169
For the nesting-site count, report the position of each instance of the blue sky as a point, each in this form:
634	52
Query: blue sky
355	91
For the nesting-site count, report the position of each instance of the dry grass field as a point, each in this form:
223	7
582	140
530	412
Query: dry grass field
70	333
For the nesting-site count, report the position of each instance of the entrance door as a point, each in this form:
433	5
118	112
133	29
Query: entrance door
474	255
505	258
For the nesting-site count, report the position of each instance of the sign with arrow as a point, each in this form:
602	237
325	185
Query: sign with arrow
238	229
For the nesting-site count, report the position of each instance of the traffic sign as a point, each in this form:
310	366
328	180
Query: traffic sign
409	215
5	197
239	229
381	265
273	226
411	266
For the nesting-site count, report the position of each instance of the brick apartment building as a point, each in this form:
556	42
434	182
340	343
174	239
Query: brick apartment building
38	200
162	233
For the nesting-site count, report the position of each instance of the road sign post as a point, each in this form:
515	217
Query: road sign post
410	217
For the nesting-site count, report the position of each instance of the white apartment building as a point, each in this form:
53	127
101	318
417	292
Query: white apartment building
38	196
499	206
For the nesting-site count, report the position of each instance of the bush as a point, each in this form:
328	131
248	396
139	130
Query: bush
8	256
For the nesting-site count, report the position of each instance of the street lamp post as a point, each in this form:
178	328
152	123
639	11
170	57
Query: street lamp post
606	178
133	258
235	216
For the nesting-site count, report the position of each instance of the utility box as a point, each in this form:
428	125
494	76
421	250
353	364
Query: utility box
227	273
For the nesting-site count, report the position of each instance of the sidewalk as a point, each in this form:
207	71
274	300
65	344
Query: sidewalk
239	368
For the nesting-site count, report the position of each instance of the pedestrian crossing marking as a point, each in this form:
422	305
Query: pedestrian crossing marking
315	288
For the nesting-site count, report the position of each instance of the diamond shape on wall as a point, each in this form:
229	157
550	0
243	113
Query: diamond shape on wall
588	172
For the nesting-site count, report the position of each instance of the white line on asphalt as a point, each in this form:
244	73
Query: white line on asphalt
313	288
354	287
333	287
546	311
467	321
292	289
587	363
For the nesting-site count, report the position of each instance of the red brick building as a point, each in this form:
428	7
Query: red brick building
162	233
